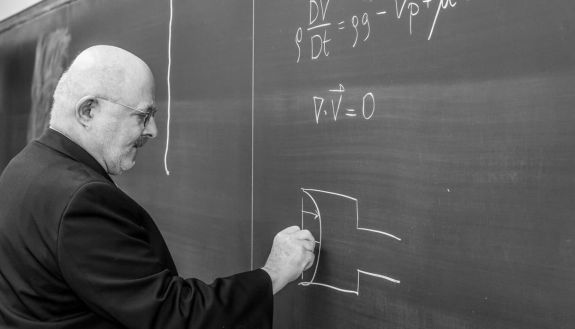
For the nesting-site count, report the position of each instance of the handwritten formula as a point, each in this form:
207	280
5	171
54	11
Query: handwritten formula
330	106
315	39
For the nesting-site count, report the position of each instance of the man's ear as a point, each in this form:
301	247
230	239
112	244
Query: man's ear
84	110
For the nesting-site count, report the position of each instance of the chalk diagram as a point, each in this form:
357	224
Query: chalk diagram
327	214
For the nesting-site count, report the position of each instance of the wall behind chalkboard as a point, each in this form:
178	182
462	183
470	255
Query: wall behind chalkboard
428	145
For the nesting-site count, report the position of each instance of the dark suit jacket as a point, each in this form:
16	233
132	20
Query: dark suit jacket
77	252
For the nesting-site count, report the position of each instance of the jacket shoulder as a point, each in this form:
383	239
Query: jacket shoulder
36	187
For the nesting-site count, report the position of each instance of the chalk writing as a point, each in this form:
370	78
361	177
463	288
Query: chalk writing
413	10
334	108
169	110
317	36
364	23
343	201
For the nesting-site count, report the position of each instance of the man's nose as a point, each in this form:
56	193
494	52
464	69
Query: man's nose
151	130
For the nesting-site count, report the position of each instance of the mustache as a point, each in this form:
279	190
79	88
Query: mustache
141	141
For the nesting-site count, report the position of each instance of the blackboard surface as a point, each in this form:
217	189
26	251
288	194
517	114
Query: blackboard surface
428	145
461	144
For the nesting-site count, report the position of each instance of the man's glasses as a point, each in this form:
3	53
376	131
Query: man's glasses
150	113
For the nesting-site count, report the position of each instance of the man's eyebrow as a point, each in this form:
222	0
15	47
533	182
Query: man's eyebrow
151	109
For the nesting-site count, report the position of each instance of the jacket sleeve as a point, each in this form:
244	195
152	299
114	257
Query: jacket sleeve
106	257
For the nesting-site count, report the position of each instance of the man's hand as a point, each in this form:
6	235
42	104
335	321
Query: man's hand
291	254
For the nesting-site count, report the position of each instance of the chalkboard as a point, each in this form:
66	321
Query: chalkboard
429	145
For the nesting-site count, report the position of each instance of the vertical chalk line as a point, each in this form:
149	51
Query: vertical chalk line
169	88
252	173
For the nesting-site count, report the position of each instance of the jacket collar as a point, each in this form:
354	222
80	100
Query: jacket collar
59	142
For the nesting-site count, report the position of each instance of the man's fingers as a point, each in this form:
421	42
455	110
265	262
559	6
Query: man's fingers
296	232
291	229
292	252
304	235
311	258
309	245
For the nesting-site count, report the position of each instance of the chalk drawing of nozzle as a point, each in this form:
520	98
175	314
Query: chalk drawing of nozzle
333	219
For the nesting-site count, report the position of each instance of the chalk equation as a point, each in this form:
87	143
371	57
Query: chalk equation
330	106
333	214
315	38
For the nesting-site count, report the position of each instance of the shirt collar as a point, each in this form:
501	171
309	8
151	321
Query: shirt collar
61	143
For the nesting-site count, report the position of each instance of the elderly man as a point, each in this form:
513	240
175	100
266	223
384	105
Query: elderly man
76	252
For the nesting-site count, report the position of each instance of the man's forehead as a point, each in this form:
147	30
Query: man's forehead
141	95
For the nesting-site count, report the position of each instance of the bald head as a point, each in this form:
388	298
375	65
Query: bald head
101	102
101	71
